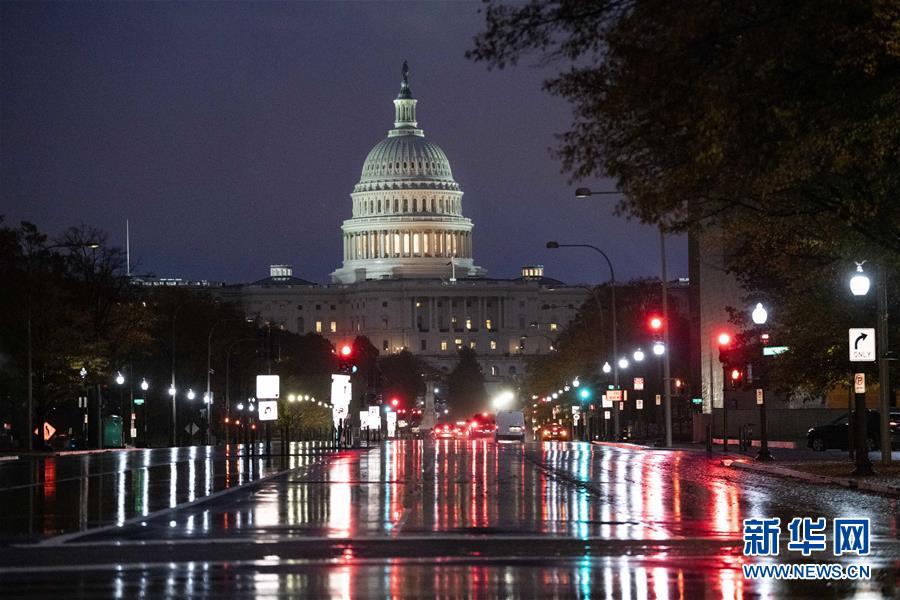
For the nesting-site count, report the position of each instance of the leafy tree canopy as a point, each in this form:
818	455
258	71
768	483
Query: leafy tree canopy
775	124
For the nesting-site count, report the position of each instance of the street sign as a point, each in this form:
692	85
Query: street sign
658	399
773	350
606	415
192	428
363	420
268	410
759	396
267	386
614	395
374	418
606	402
862	344
638	384
639	404
576	410
138	401
859	383
49	431
391	424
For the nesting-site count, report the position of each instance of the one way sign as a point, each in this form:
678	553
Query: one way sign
862	344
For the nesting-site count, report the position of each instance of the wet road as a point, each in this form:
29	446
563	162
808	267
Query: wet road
436	519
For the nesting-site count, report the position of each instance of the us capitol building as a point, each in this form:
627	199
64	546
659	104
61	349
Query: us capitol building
408	278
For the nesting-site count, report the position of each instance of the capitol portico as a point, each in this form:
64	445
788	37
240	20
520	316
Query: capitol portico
408	278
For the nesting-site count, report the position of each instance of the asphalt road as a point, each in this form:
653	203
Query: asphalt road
414	519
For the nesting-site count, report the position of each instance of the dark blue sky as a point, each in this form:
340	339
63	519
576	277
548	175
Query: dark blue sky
231	134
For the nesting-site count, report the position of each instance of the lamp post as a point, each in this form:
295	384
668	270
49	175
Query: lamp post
120	381
207	398
583	192
760	315
29	421
612	291
172	388
859	286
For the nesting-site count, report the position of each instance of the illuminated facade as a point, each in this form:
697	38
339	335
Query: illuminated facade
408	278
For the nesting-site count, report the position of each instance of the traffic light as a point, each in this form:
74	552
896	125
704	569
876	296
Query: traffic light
395	402
655	323
736	376
345	360
724	340
585	393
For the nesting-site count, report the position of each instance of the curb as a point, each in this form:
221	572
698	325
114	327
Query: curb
847	482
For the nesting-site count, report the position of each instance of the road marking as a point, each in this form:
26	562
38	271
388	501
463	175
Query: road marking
66	537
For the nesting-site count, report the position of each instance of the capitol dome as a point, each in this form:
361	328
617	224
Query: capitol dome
404	161
407	209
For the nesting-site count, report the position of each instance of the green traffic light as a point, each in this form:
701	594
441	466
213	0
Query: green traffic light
585	393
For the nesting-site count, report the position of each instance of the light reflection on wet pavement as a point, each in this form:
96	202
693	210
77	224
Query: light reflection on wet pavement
63	494
449	518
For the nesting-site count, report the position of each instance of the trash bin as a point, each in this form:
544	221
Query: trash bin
112	432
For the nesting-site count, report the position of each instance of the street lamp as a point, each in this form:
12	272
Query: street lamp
612	292
586	192
760	316
120	379
29	401
859	283
144	385
607	368
190	394
859	286
638	355
659	348
623	363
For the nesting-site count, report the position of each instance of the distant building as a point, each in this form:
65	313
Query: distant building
408	278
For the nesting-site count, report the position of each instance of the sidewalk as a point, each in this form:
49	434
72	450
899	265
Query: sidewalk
819	468
886	480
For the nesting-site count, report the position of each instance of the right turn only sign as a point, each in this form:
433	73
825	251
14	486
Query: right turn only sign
862	344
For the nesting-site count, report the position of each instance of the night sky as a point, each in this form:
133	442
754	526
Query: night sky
231	134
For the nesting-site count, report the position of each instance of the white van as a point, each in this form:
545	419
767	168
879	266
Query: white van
510	425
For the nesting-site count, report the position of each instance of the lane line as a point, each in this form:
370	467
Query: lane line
66	537
379	539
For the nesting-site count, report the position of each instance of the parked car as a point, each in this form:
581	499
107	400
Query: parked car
836	435
510	425
554	432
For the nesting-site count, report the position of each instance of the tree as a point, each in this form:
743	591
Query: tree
776	124
466	386
402	377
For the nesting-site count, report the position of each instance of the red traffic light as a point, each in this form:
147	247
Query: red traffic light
656	323
724	339
395	402
735	374
346	350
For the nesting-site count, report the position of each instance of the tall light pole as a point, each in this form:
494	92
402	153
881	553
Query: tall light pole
29	422
172	389
612	291
667	383
859	286
207	398
760	315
